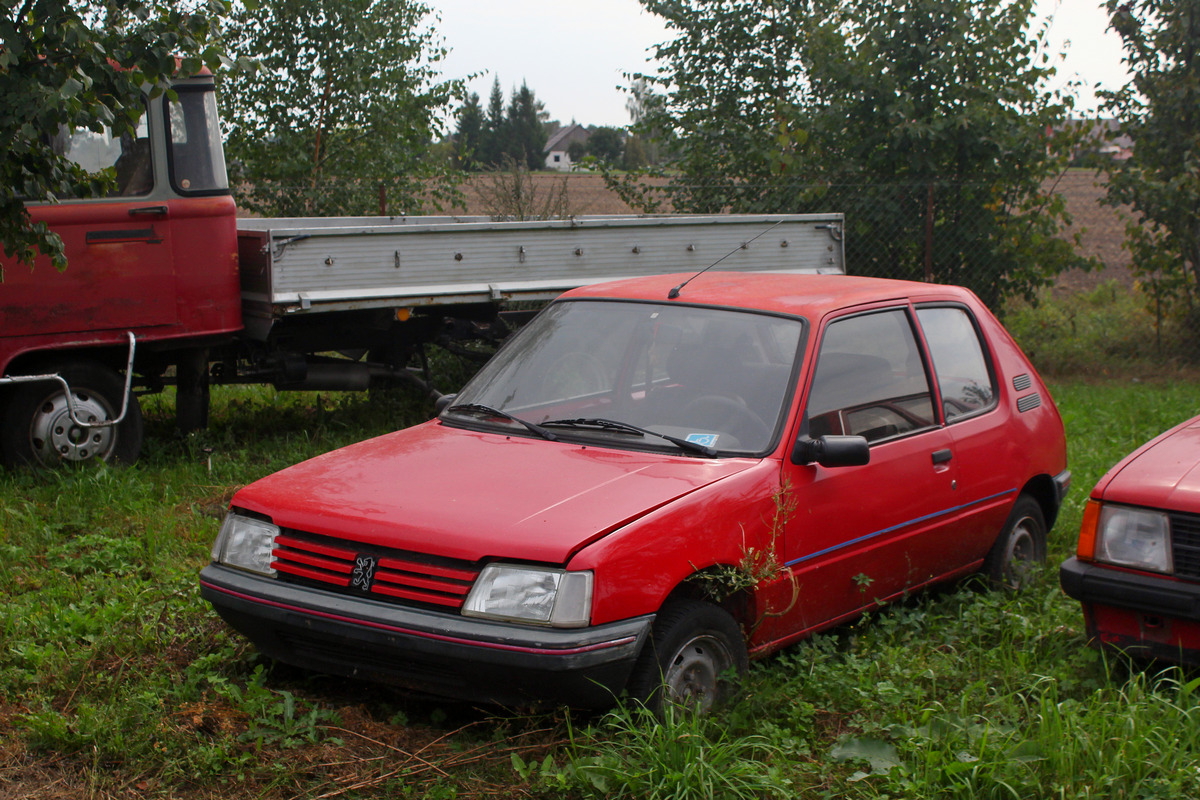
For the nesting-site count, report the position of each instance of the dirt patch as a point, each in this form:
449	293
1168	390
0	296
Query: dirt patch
1101	229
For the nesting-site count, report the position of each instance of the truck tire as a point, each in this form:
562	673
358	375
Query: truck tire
1020	547
693	659
36	428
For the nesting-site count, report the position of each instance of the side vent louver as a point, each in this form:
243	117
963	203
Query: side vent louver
1022	382
1028	402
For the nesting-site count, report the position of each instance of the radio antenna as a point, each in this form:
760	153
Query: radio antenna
674	293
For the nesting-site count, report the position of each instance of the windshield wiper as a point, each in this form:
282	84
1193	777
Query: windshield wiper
613	425
495	412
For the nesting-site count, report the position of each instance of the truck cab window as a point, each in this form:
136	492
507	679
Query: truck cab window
197	162
127	156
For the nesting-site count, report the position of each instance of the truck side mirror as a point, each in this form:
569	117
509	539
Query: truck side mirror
832	451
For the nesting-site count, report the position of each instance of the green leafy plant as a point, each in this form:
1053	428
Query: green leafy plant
635	754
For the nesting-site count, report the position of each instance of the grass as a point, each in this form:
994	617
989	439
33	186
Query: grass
117	681
1109	331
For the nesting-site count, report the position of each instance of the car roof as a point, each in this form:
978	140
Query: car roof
802	295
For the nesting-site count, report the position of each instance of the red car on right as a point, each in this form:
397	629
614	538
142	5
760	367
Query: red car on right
1137	568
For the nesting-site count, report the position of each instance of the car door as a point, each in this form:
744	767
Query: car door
120	271
857	535
967	386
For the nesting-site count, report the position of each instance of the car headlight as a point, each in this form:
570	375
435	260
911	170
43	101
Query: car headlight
542	596
1134	537
246	543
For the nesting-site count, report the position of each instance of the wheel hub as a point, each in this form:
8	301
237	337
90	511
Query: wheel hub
694	677
1021	555
56	437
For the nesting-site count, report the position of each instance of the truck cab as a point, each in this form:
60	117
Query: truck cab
151	279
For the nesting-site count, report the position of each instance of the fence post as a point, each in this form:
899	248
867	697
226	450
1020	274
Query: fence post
929	234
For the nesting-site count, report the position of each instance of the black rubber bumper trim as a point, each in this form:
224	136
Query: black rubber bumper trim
1062	484
1150	594
435	652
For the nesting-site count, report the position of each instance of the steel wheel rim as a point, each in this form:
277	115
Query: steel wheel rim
693	678
54	437
1020	553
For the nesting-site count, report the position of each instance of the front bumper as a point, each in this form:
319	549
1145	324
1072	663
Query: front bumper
1139	613
432	652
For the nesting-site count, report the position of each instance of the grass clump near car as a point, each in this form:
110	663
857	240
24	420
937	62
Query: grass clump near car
116	679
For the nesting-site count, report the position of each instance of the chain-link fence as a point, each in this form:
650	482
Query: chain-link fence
1094	316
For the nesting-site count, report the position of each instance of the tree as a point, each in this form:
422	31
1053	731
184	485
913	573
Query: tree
528	136
469	137
607	144
516	133
81	65
1160	110
922	120
495	137
347	97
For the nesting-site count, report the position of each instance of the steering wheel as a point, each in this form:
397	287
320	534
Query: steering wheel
727	414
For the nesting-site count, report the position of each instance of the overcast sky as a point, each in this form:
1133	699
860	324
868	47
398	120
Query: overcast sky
574	53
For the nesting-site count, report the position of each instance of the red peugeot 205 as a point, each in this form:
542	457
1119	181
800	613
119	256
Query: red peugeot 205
1137	568
652	483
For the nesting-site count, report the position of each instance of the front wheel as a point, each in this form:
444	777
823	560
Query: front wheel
1019	549
694	658
37	429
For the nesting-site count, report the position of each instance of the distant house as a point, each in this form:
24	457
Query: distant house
1103	140
558	147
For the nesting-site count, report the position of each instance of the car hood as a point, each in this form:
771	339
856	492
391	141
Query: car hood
1163	473
469	495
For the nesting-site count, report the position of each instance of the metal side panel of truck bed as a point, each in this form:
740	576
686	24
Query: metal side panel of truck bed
304	265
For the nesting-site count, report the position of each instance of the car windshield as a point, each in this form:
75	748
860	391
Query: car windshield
695	379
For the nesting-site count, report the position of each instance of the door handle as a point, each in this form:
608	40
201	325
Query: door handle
942	456
148	211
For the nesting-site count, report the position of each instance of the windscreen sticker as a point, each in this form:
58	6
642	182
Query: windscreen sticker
703	439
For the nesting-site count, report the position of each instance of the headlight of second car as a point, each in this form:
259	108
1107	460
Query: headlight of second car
1134	537
538	595
246	543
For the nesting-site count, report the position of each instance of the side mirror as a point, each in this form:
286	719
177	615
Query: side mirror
832	451
443	402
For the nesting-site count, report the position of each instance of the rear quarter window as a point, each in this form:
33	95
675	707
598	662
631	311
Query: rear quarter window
959	361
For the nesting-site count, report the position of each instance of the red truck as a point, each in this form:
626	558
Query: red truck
166	286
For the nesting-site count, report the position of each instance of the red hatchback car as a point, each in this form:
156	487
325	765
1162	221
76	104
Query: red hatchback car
651	483
1137	568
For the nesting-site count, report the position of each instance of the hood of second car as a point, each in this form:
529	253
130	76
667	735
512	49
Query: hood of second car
1164	473
469	495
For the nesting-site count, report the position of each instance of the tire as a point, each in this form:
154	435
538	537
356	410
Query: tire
36	428
694	650
1020	547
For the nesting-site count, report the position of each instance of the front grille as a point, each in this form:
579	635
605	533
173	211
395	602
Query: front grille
400	576
1185	545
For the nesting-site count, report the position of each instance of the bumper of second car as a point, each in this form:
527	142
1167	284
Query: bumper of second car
1139	613
431	652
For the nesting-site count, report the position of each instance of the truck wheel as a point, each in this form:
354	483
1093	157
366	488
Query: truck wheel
1019	548
694	657
37	430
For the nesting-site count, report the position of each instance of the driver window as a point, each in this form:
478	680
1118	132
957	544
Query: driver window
870	379
99	152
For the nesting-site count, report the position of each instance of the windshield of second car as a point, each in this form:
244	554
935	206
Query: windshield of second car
709	376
